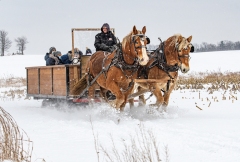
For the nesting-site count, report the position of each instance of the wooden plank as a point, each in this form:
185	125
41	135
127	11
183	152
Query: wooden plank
32	89
45	82
46	71
59	83
150	80
61	71
46	90
32	71
60	92
75	74
59	77
84	62
33	81
45	67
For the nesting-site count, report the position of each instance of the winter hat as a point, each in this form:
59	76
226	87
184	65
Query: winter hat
51	49
57	53
106	26
76	50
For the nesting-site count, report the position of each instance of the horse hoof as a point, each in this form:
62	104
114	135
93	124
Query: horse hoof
113	103
154	106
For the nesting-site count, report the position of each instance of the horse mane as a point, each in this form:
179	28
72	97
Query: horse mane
128	38
183	44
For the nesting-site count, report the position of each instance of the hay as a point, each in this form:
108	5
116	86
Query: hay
79	86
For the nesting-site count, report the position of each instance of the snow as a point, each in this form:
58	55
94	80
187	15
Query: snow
62	135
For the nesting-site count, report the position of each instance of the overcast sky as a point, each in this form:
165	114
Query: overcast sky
48	23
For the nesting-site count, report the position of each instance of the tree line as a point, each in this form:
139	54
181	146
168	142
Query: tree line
221	46
208	47
6	43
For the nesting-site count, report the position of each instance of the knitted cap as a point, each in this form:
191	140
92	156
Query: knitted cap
106	25
51	49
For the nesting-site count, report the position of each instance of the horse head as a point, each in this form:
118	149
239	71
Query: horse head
183	48
134	46
177	49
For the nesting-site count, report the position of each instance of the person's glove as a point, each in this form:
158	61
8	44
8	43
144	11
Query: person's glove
104	47
115	47
112	48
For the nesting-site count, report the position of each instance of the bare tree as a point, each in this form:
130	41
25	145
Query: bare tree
5	43
21	43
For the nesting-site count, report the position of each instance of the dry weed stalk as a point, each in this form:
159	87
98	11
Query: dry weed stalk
14	144
142	147
11	81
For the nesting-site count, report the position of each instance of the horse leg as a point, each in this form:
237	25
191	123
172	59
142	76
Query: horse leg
131	102
103	92
141	98
126	99
113	87
159	97
167	96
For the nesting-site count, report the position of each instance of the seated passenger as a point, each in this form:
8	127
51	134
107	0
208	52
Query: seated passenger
105	41
50	52
54	59
88	51
67	58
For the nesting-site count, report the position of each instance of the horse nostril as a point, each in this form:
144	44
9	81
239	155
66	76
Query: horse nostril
176	64
141	60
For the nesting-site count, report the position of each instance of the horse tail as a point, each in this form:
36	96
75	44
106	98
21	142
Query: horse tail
79	86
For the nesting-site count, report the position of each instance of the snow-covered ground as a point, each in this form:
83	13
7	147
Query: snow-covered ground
62	135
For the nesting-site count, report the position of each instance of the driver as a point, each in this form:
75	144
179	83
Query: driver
105	41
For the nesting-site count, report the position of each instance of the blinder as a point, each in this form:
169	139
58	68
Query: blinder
192	49
142	37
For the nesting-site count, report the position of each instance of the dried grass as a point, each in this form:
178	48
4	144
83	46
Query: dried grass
12	88
212	81
143	146
15	145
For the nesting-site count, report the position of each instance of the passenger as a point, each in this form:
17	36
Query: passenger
105	41
54	59
50	52
88	51
67	58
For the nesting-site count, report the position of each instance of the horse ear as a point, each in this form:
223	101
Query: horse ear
189	39
135	30
144	30
180	39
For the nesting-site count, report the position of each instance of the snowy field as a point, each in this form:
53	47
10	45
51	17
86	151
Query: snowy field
188	133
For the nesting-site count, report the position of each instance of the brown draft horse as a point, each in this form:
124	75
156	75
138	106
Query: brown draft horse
116	71
173	54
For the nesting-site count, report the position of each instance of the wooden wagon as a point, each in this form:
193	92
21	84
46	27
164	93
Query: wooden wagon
54	83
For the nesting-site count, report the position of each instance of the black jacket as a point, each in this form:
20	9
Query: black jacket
46	56
104	41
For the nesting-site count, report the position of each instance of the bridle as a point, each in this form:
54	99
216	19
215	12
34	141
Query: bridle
134	39
182	56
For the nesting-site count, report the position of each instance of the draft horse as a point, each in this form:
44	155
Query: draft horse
116	71
164	63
